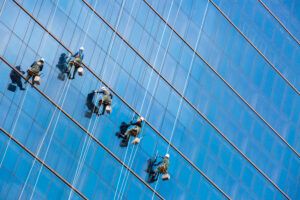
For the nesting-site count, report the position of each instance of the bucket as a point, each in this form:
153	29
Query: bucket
80	71
37	80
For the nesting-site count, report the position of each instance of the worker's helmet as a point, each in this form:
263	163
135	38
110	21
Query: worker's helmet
142	118
167	155
81	48
42	59
104	88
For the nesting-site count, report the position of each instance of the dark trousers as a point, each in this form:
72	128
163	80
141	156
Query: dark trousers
28	77
17	81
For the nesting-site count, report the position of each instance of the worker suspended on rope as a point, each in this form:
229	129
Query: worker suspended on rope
75	64
34	72
62	65
134	131
106	100
155	168
16	79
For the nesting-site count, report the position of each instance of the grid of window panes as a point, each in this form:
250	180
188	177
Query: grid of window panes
217	82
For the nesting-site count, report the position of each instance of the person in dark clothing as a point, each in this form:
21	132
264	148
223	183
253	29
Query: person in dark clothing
134	131
34	71
75	63
62	65
106	100
123	128
16	77
90	103
162	168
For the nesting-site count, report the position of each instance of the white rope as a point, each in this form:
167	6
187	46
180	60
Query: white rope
20	107
42	141
2	7
186	81
14	126
83	151
68	83
125	156
148	84
185	86
88	139
90	121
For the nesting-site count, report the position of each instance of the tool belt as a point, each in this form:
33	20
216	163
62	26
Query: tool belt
106	100
32	72
162	169
135	131
76	62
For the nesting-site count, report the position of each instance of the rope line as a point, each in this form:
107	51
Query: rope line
186	81
22	101
2	7
68	83
87	140
126	152
156	84
185	86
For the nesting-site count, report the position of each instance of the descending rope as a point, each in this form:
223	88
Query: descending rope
186	81
66	85
22	101
2	7
124	159
148	84
88	139
185	84
65	92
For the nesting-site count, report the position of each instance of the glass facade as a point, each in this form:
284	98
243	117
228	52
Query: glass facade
216	81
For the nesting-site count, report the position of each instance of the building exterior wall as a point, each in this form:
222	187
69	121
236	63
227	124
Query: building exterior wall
217	82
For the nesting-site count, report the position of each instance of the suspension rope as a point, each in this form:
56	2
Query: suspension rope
185	85
66	85
63	101
2	7
186	81
88	139
22	101
126	152
154	89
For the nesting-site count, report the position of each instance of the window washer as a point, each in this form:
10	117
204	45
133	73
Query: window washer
135	131
162	168
106	100
16	79
34	71
75	63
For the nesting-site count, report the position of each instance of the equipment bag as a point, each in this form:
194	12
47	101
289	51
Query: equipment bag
11	87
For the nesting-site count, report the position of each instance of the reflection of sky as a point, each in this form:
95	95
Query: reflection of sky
288	12
127	74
